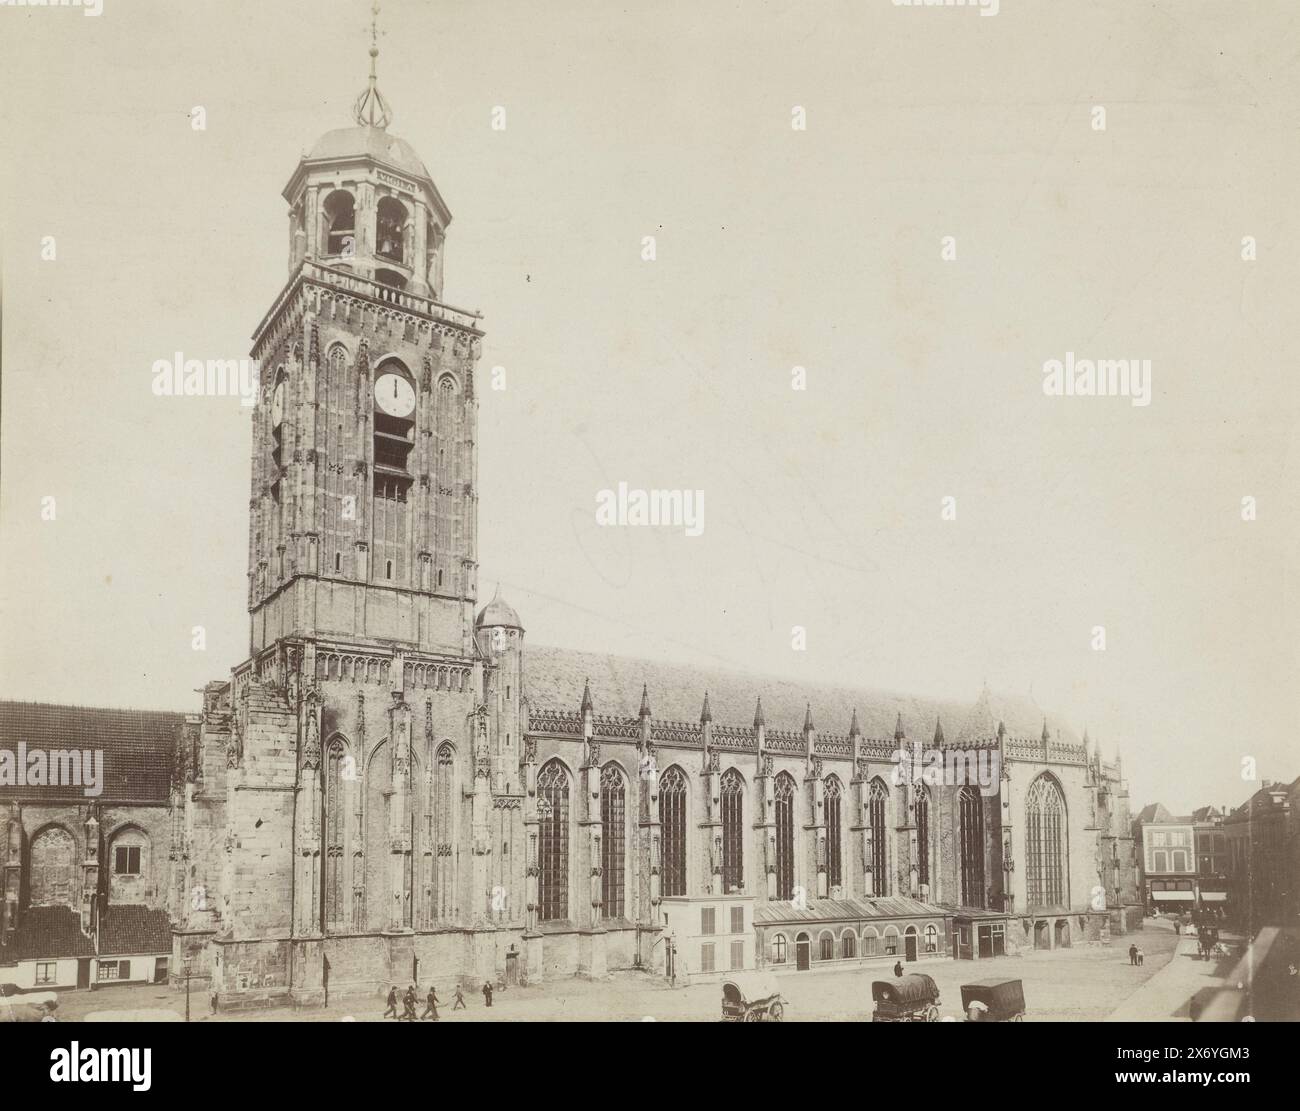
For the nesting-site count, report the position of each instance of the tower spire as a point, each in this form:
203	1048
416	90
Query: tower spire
371	109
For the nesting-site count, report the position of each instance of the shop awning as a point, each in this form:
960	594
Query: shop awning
1214	896
1174	896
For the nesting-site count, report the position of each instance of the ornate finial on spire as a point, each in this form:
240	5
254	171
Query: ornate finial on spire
938	732
586	696
758	713
1046	735
807	719
1002	730
706	714
371	109
645	701
898	727
854	729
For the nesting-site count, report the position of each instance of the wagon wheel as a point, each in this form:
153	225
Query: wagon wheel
753	1014
774	1012
1019	1017
932	1013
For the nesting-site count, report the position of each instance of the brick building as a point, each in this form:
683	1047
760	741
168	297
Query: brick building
1263	841
86	876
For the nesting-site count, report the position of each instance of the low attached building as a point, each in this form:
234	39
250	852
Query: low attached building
849	932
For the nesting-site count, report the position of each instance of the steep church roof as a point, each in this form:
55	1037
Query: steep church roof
554	679
138	746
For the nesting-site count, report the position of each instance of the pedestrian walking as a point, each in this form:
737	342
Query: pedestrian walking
392	1002
487	994
408	1004
1132	954
431	1004
459	1003
898	968
1141	955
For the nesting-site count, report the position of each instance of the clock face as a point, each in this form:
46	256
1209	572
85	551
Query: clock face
277	406
394	395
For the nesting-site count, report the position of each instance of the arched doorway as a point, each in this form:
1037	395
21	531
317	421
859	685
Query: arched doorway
909	943
1062	933
802	952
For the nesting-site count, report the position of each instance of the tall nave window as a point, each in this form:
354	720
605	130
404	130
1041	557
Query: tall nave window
970	815
921	817
1045	844
834	832
733	831
877	800
613	825
672	823
784	791
553	856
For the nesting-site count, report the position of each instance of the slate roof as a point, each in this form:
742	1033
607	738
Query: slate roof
844	910
46	933
126	929
1157	814
138	745
554	677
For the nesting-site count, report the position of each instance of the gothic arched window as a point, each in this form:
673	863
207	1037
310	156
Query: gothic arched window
834	794
444	832
672	823
53	856
553	855
336	900
1045	838
784	790
447	478
877	801
921	819
613	793
970	818
733	831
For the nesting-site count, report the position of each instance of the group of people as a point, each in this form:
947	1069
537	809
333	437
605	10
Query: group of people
1135	955
411	1000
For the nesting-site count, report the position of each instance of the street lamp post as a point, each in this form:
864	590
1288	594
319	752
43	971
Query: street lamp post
189	975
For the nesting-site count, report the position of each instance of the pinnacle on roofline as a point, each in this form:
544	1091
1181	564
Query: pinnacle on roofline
758	713
586	695
645	701
706	714
938	731
899	733
854	729
807	718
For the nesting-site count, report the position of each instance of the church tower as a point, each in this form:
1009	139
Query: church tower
364	506
349	762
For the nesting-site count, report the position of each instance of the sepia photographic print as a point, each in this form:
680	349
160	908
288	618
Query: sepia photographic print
813	538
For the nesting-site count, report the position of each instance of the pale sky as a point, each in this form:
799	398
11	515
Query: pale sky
775	248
